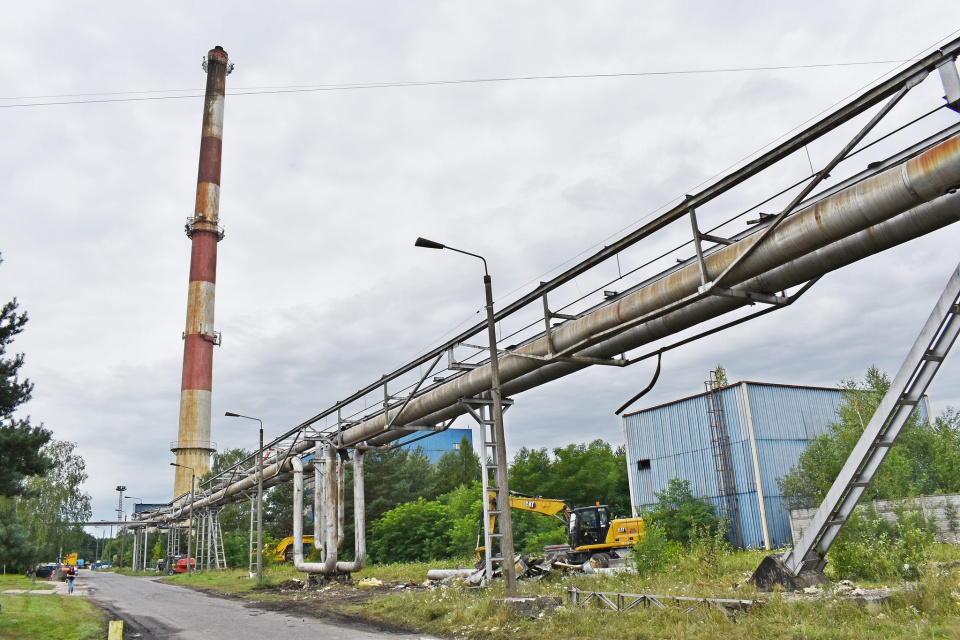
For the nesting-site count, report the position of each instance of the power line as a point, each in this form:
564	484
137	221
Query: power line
136	96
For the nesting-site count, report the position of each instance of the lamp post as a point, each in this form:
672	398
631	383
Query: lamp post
231	414
503	489
122	531
133	563
193	476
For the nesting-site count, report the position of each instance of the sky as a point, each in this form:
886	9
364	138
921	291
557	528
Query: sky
319	288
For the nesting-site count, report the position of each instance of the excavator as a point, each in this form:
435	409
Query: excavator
283	551
591	535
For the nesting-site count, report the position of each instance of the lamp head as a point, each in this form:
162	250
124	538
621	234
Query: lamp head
428	244
232	414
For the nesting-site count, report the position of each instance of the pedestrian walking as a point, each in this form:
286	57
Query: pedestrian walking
32	574
71	576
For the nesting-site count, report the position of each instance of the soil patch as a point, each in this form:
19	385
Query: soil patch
325	603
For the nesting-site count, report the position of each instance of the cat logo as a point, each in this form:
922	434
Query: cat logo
530	504
622	530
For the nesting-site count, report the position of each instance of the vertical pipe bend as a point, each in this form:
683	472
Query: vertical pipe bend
359	518
329	563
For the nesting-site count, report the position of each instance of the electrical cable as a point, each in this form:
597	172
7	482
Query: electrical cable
247	91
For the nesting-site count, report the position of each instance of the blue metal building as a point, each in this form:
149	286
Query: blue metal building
441	442
768	426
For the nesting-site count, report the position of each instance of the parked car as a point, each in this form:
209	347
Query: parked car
46	570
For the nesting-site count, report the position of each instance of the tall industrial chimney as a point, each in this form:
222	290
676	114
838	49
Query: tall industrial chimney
193	446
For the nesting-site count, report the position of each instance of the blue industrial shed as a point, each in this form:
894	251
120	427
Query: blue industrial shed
768	426
439	443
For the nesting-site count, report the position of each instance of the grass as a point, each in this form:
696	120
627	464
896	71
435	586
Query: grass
926	608
18	581
33	617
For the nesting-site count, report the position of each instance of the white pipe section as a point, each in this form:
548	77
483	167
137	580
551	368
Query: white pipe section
325	567
341	469
332	509
359	518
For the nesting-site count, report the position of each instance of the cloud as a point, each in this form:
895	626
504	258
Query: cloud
319	289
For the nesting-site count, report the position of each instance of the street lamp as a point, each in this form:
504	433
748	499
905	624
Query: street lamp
193	476
122	531
503	497
231	414
133	563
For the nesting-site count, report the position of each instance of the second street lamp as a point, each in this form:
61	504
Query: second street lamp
503	490
231	414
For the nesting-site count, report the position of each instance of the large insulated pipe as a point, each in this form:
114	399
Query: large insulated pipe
870	202
193	446
359	518
886	235
915	223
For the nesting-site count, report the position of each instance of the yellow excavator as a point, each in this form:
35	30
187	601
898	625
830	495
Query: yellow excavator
283	551
591	534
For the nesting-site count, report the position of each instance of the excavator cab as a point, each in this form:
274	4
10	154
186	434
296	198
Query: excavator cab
588	526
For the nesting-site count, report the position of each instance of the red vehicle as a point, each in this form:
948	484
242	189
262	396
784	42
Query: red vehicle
178	565
181	566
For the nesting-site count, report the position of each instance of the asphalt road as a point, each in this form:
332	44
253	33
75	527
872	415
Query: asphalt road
157	610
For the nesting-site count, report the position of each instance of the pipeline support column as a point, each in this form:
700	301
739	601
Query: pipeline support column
193	447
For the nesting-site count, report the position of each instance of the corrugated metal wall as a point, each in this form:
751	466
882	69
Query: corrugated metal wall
676	440
441	442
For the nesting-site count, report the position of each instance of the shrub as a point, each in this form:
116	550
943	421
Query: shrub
680	514
412	532
872	548
654	551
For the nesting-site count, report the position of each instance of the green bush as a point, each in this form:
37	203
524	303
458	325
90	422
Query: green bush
872	548
654	551
412	532
680	514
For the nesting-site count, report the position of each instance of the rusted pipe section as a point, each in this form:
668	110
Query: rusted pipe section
359	517
879	198
924	175
193	446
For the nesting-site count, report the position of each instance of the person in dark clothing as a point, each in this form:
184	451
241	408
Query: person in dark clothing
71	576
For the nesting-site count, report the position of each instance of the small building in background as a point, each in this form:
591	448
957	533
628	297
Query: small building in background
767	425
439	443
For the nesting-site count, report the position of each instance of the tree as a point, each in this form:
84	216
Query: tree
925	459
17	549
55	502
680	515
394	477
457	468
20	443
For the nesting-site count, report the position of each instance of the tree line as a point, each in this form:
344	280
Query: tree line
416	510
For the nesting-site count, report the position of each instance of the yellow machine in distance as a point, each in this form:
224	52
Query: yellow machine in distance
283	551
591	534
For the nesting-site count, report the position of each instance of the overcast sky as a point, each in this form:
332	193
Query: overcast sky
319	287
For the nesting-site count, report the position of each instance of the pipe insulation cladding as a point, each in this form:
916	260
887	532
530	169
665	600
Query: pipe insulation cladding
193	447
886	210
924	178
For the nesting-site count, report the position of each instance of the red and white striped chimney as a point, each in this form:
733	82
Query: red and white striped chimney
193	446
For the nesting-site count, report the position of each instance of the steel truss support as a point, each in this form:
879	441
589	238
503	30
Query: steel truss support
481	410
906	391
